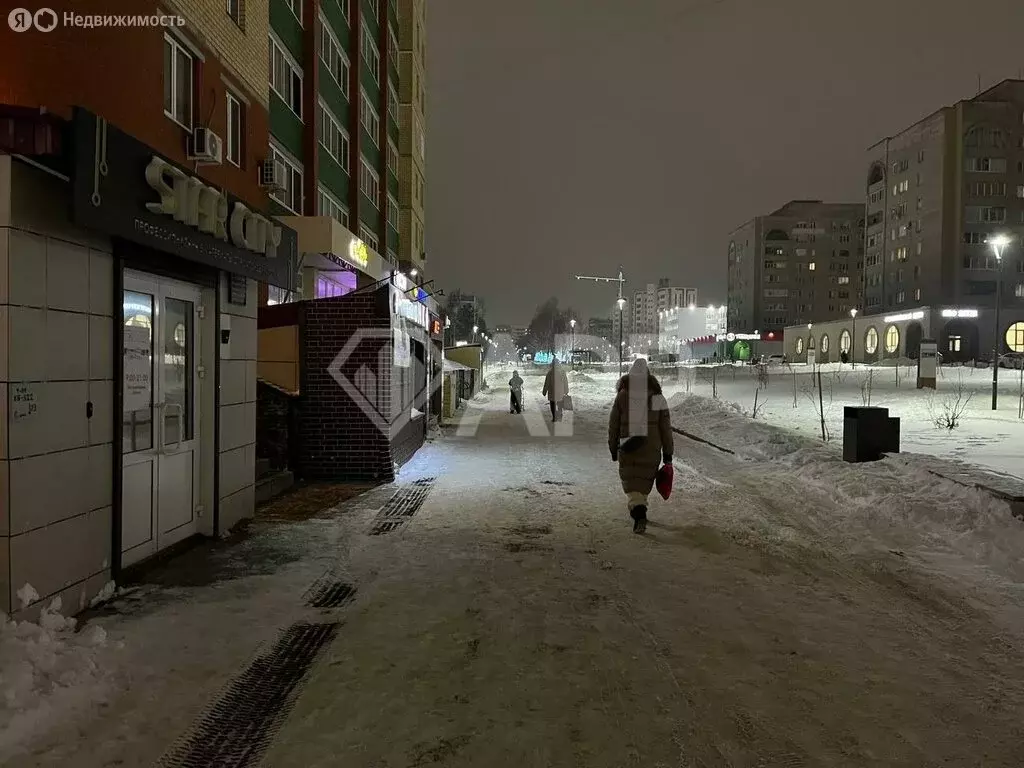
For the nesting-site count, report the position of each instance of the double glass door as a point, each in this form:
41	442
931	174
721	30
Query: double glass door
160	415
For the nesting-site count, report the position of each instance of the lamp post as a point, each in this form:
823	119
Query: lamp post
475	329
572	344
621	302
853	336
998	243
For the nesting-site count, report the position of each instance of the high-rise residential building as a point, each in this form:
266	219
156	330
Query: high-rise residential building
412	117
654	298
345	142
937	191
799	264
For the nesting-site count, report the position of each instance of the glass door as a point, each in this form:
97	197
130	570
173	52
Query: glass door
160	449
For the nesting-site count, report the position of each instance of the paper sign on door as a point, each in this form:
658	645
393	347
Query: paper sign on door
138	369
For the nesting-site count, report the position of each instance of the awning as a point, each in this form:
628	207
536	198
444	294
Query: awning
451	365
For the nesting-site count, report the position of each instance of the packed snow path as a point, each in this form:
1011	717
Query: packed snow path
515	620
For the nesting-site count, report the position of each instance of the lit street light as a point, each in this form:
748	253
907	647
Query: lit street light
853	336
572	344
475	329
998	243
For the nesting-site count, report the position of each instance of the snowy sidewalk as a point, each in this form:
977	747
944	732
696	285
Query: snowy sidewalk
514	620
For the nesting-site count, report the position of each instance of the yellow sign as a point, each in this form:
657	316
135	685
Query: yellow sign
358	252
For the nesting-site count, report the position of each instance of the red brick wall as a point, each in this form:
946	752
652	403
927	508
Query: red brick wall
117	72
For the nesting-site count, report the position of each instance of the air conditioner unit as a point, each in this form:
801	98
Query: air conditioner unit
206	147
272	175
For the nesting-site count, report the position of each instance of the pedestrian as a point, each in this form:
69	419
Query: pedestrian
556	387
639	437
516	386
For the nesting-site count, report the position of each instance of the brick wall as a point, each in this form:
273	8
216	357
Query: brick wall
337	438
117	73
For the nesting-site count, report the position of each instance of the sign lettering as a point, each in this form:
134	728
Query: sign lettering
188	200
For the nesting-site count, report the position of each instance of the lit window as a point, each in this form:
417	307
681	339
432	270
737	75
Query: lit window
236	130
871	341
1015	337
892	339
844	341
954	344
812	266
800	345
179	71
824	343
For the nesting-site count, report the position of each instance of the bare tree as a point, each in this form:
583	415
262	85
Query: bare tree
948	409
758	405
865	389
822	401
762	376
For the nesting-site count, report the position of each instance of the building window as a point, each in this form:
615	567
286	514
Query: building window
871	340
236	130
892	339
1015	337
844	342
369	182
901	297
370	53
290	194
343	4
917	294
296	8
285	77
392	102
326	205
985	164
988	214
333	56
333	137
812	266
800	345
179	82
844	280
392	45
392	157
236	10
369	118
368	237
824	343
421	140
393	212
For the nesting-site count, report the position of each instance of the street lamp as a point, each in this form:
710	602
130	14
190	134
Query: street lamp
853	336
475	329
572	344
998	243
621	302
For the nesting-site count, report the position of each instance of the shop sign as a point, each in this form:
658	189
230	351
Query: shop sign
959	313
738	337
904	317
123	188
358	252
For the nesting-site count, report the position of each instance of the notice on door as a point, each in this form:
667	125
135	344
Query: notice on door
24	402
138	369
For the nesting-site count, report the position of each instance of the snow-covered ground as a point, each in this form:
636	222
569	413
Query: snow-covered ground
784	607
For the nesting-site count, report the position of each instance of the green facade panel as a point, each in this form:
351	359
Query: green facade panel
371	153
285	126
369	8
339	24
369	215
331	93
371	85
393	185
392	239
287	28
333	177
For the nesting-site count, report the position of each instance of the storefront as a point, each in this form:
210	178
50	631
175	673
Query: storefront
133	373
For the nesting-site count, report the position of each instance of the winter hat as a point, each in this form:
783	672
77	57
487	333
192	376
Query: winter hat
639	367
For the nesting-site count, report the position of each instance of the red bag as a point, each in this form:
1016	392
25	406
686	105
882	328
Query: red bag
663	480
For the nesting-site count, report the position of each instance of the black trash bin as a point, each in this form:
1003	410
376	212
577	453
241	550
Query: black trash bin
868	432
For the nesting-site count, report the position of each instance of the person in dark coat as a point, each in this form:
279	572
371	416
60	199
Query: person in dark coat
639	437
516	386
556	387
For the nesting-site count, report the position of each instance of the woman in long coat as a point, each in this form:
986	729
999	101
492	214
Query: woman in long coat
639	437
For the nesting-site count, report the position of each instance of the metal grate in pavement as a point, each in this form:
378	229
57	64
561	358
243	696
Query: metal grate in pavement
400	507
327	593
237	730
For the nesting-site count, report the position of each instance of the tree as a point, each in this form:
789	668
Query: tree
465	311
549	330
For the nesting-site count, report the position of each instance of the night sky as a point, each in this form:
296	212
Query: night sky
569	136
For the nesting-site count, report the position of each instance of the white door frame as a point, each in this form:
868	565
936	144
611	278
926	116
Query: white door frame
161	483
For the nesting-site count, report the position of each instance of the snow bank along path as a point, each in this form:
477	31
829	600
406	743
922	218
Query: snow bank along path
516	621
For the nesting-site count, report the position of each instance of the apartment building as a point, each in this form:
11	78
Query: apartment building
337	111
936	192
797	265
134	230
654	298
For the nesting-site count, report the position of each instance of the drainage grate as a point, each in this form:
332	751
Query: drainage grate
238	728
330	594
403	505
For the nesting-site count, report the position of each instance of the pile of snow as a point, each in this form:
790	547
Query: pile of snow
47	670
899	501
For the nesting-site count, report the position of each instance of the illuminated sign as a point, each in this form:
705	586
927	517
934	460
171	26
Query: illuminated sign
435	327
903	317
959	313
358	252
738	337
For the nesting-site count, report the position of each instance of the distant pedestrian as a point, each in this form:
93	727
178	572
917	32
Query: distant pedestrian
639	437
556	387
516	399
